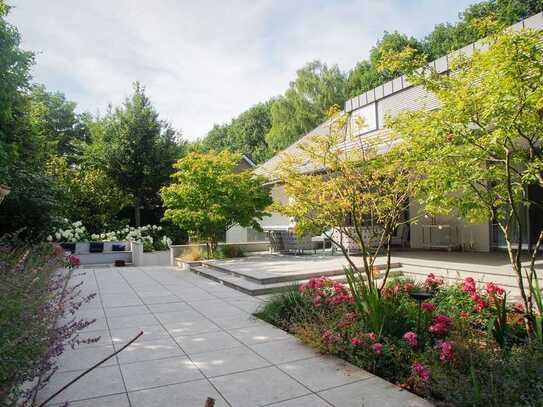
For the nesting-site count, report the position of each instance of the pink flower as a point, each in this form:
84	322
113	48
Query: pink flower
447	351
317	300
377	348
372	336
421	371
469	285
428	306
356	341
329	337
440	324
74	261
432	282
519	308
493	289
410	338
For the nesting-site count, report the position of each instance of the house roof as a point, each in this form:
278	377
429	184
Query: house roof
375	96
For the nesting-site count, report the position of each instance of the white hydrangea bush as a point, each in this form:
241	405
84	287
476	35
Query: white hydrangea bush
69	232
150	235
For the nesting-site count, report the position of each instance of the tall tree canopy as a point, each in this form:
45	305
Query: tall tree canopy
304	105
15	66
245	134
61	130
136	149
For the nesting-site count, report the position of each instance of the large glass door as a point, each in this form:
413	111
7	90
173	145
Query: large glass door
531	220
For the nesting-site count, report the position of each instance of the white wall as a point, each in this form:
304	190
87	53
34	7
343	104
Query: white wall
473	237
278	194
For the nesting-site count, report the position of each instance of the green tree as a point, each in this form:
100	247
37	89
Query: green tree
362	78
135	149
479	155
60	129
15	66
207	196
368	74
32	202
448	37
247	132
355	196
86	194
304	105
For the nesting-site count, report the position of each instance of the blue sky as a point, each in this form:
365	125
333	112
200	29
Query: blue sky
204	62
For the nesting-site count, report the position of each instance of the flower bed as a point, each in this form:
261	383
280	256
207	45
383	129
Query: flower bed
464	346
37	322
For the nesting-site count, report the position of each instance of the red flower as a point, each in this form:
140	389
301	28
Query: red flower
372	336
428	306
421	371
317	300
464	315
377	348
356	341
410	338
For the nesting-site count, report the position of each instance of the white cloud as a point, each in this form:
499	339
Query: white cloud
204	62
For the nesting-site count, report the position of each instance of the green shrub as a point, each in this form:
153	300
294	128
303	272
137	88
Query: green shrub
285	308
230	251
487	377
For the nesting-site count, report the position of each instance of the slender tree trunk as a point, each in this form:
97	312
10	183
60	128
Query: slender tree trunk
387	270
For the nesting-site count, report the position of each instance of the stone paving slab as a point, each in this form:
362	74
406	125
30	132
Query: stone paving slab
200	340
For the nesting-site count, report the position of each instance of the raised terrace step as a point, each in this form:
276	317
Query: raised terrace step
268	278
253	286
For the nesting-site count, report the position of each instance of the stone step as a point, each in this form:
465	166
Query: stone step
293	277
252	288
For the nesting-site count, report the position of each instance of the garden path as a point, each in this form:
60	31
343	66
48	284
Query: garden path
200	341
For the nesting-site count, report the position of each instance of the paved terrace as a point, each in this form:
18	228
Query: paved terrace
200	341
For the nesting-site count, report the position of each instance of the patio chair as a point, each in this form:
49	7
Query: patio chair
401	237
276	241
293	243
351	245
